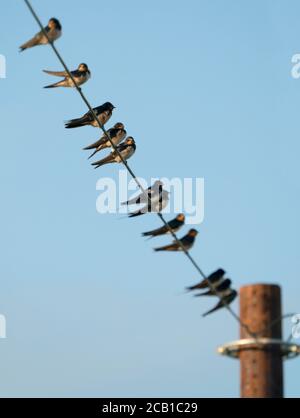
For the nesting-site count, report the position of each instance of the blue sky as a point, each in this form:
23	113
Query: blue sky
205	88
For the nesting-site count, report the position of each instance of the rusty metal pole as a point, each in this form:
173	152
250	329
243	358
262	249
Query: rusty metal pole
261	367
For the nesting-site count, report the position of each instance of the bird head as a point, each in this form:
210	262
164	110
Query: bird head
119	125
130	141
233	294
227	282
83	67
108	106
54	23
193	233
180	217
158	184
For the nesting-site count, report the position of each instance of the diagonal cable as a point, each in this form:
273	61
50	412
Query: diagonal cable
138	183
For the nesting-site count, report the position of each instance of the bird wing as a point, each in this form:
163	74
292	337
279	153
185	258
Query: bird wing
218	306
202	285
223	285
187	239
77	73
110	158
171	247
122	147
226	300
137	213
99	109
141	198
174	225
155	232
33	41
57	73
96	144
134	201
208	293
75	123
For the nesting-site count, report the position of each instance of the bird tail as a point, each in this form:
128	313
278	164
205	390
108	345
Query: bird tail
89	147
202	285
219	305
98	144
148	234
170	247
208	293
106	160
76	123
93	153
135	214
135	201
28	44
130	202
58	84
160	249
96	150
152	234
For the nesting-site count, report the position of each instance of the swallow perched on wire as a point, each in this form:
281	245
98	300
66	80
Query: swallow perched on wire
225	301
214	278
155	199
152	191
103	113
158	204
221	289
187	241
81	75
126	149
117	133
53	29
174	225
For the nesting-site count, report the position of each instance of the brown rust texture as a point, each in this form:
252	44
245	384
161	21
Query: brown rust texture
261	368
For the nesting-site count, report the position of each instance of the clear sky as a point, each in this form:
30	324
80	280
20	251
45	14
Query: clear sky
205	88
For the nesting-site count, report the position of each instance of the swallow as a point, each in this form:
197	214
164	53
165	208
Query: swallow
214	278
126	149
187	241
53	30
103	113
147	196
81	75
156	206
117	133
221	289
156	203
225	301
174	225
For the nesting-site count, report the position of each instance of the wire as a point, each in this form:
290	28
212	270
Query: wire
124	162
275	322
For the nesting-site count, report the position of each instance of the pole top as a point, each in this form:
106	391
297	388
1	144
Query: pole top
260	285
